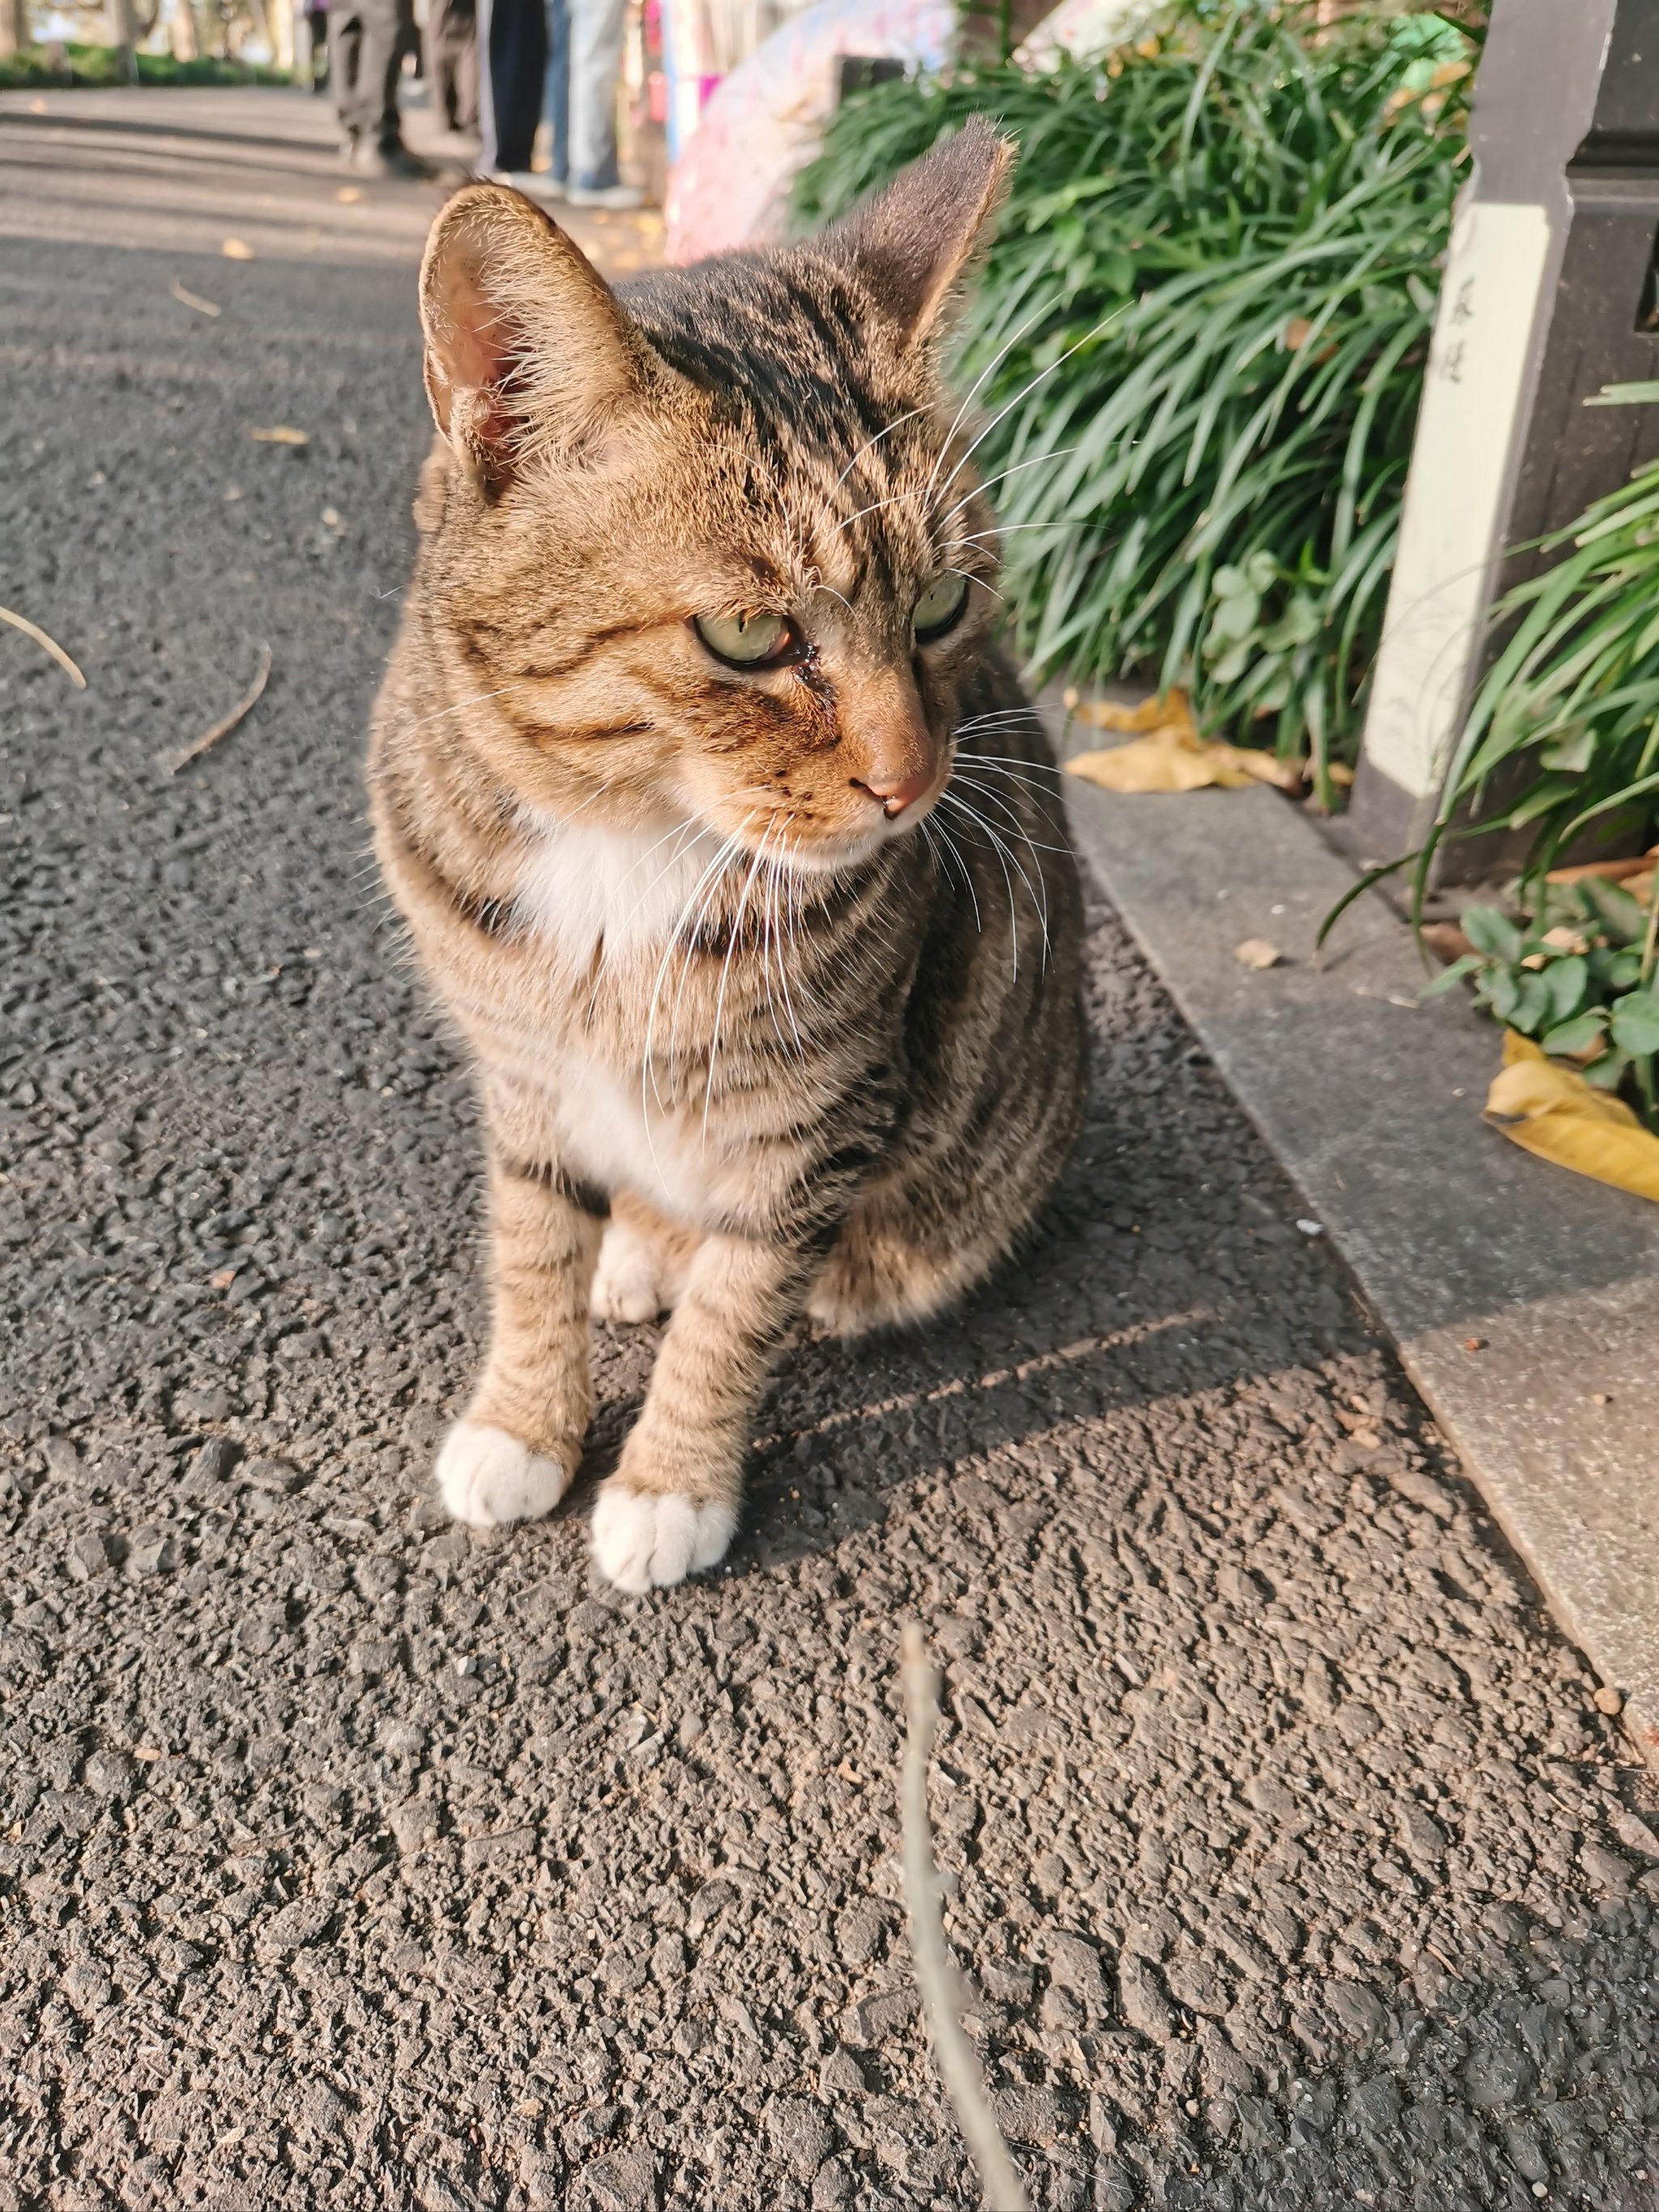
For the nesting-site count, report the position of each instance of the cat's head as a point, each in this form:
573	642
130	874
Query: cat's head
712	548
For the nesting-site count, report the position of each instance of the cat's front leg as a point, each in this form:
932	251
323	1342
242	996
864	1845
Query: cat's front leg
672	1506
511	1454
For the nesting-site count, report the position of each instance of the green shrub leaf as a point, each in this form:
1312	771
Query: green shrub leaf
1491	932
1574	1037
1636	1023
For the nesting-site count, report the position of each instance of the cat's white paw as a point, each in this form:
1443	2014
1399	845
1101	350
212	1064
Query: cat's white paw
642	1542
486	1476
627	1285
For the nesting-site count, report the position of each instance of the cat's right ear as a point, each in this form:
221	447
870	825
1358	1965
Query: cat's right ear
527	349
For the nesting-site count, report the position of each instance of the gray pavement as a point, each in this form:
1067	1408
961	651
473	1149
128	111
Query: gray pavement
351	1860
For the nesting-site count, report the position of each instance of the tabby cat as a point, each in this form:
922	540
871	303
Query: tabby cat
722	829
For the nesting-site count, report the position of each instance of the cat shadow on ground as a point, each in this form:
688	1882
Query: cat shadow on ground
1156	1271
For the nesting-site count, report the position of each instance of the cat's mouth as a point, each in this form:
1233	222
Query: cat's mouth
828	852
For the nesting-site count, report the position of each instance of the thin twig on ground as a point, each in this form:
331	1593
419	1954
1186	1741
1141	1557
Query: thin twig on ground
936	1974
226	723
48	644
186	298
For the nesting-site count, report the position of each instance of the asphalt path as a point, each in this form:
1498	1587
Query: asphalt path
349	1859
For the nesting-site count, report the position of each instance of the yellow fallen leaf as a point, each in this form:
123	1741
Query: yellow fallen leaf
280	433
1108	714
1257	953
236	249
1556	1115
1163	762
1340	774
1171	755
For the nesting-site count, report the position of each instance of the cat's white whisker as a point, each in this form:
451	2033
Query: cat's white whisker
735	932
1016	826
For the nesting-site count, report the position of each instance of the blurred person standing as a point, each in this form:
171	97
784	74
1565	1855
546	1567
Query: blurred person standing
316	15
453	45
570	52
512	50
366	42
594	35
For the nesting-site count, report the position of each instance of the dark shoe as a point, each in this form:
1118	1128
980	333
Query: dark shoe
391	161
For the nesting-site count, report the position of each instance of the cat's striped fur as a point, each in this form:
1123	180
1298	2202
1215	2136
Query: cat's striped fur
775	970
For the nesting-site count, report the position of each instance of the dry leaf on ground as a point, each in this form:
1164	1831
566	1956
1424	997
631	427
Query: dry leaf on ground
237	249
1446	940
1556	1115
280	434
1608	872
1257	953
1171	756
348	194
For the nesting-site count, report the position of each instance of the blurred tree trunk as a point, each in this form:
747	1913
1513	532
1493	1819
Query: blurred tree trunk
123	28
14	27
187	34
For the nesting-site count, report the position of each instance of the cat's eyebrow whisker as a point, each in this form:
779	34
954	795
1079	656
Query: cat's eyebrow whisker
973	576
1059	362
886	431
1001	529
821	586
1035	462
978	384
911	491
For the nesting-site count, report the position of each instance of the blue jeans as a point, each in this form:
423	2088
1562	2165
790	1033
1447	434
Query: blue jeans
558	85
583	61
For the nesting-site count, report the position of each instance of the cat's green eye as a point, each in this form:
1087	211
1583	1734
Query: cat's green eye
745	641
940	605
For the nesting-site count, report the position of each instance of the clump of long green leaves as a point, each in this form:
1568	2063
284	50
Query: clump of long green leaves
1201	329
1574	696
1575	688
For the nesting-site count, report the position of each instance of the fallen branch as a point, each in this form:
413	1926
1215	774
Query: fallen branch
223	727
48	644
936	1975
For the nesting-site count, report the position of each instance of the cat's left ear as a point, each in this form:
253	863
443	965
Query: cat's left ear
910	245
527	347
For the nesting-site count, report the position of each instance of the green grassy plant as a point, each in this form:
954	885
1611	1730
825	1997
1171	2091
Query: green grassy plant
1201	329
1575	691
32	69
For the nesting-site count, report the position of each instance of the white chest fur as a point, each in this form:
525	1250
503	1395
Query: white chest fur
621	895
584	887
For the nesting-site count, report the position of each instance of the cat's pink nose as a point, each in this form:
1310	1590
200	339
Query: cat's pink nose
897	794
